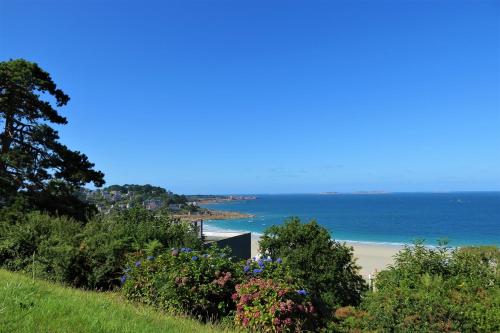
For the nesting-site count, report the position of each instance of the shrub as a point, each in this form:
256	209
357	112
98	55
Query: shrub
266	305
434	290
45	246
199	283
266	268
90	256
109	239
326	267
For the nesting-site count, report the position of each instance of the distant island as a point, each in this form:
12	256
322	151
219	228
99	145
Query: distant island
356	192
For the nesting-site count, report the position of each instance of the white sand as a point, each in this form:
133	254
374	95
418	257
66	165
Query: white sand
370	257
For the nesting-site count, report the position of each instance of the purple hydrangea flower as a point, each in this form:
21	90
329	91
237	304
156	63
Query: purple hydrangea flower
302	292
123	279
246	269
194	258
261	263
137	263
257	271
279	260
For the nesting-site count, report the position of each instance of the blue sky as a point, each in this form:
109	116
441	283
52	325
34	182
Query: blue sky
273	96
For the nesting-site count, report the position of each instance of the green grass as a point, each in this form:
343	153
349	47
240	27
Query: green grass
39	306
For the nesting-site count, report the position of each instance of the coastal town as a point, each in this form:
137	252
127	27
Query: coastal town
154	198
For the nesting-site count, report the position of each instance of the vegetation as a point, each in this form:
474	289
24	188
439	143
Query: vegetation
185	281
28	305
432	290
34	165
426	290
270	305
271	294
326	267
91	255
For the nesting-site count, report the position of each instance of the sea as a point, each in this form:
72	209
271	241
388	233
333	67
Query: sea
459	218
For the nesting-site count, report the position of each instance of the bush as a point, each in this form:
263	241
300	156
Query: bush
45	246
265	305
109	239
434	290
199	283
90	256
266	268
326	267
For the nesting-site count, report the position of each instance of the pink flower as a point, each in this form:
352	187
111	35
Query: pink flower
282	307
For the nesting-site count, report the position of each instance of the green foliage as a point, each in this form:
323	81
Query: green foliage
434	290
33	163
91	255
326	267
108	239
28	305
266	305
199	283
42	245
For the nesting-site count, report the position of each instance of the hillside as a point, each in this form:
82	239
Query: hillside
27	306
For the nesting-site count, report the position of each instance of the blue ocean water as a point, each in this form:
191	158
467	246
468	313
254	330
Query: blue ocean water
470	218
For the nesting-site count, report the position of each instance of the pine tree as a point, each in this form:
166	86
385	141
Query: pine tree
33	163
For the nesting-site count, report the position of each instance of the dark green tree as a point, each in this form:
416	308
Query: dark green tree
33	163
326	267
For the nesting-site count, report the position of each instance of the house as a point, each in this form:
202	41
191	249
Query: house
153	204
175	207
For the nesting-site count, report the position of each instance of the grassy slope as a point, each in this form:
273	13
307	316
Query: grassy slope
45	307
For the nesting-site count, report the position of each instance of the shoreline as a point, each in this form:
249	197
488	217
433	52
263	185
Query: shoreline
371	258
211	214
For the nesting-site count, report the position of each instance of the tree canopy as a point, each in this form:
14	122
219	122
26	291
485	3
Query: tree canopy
326	267
33	163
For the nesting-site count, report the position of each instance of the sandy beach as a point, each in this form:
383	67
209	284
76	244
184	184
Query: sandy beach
370	257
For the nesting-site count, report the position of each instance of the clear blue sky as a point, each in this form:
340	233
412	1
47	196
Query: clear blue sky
273	96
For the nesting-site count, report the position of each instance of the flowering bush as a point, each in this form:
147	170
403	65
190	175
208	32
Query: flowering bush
185	281
266	268
272	306
327	268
